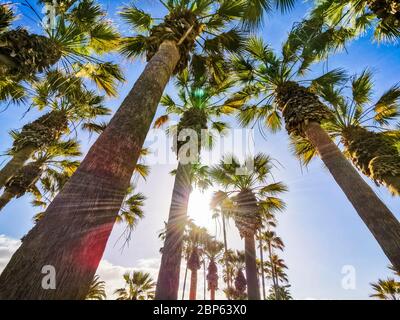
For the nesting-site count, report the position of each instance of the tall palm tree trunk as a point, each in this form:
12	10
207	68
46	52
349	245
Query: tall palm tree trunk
204	281
378	218
253	289
74	231
273	272
168	276
226	251
184	282
16	163
262	265
5	198
193	285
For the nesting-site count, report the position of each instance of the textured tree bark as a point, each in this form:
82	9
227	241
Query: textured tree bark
74	231
5	198
262	266
253	290
168	276
193	285
17	162
378	218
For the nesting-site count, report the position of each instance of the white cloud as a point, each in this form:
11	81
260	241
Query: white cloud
7	248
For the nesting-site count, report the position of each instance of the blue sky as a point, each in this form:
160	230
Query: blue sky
321	230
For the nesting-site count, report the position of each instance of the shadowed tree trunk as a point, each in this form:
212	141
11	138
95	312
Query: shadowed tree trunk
5	198
168	276
378	218
253	289
16	163
74	231
262	265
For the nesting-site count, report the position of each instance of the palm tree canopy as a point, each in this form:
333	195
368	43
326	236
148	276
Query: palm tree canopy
79	34
198	106
382	16
97	289
204	30
249	190
138	286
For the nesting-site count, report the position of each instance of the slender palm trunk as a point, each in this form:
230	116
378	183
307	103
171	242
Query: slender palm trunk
262	265
5	198
15	164
380	221
273	272
193	285
168	276
204	280
74	231
184	281
212	294
226	251
253	289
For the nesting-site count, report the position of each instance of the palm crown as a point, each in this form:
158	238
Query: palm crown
365	127
73	41
382	16
250	191
272	81
203	29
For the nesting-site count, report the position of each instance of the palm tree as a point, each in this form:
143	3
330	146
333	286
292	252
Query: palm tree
138	286
224	209
272	242
238	292
388	289
198	108
283	291
382	15
249	192
197	237
364	129
74	39
275	81
53	163
97	290
69	101
212	250
195	29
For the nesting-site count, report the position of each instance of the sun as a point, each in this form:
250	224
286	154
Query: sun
199	209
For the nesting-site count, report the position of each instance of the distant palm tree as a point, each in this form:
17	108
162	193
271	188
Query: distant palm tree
213	250
224	210
97	290
138	286
250	193
196	238
198	109
68	101
52	165
388	289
